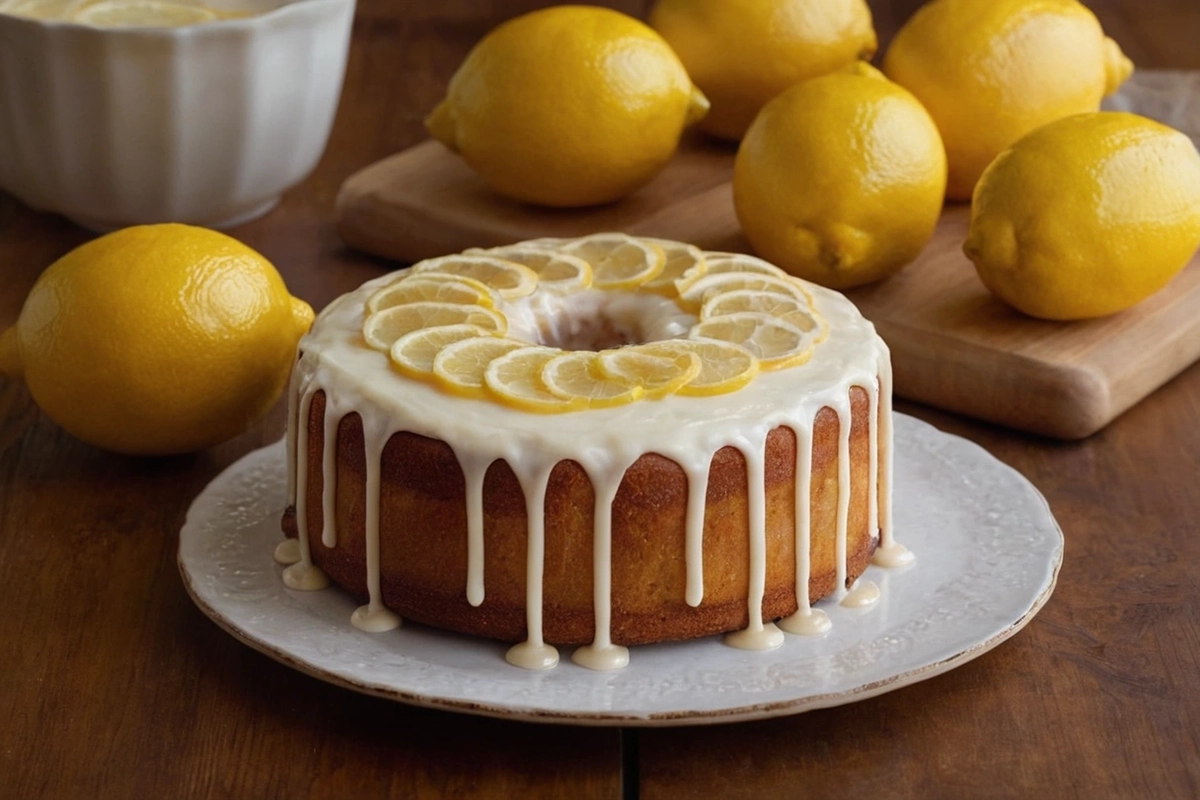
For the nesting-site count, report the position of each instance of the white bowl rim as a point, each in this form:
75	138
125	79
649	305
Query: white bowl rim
232	23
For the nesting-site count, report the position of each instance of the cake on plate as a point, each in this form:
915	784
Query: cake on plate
595	442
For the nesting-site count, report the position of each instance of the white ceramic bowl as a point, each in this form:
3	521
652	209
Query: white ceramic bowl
205	124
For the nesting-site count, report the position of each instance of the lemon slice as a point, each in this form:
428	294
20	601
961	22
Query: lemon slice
413	353
576	374
460	366
509	279
774	342
781	306
724	367
141	14
659	372
40	9
433	287
740	262
684	263
546	242
384	327
619	261
515	379
694	296
557	272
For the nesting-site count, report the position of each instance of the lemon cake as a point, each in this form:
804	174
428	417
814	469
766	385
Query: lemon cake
598	442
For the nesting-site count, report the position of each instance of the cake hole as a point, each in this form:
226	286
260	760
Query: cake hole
597	320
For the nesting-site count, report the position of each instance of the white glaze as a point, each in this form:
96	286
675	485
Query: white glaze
534	653
474	471
892	555
287	552
807	621
602	654
842	407
373	617
303	575
865	593
687	430
329	480
697	475
756	636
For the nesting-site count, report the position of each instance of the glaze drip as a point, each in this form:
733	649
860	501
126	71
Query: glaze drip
373	617
329	479
534	653
474	471
303	575
602	654
697	475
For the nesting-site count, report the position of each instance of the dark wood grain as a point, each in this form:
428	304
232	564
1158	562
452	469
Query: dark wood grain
112	684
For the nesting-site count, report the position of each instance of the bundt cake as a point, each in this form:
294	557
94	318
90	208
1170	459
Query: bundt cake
599	442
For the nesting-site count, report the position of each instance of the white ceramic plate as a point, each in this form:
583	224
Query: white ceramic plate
988	552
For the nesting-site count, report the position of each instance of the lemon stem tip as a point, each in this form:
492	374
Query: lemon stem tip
698	106
302	314
1117	66
440	124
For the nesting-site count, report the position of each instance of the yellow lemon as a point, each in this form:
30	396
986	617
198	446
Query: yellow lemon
156	339
990	71
567	106
840	179
741	53
1086	216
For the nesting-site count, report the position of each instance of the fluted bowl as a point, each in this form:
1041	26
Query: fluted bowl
205	124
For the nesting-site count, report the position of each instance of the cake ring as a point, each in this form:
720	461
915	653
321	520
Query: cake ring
597	442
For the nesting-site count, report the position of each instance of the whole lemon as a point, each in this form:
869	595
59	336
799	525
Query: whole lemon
840	179
741	53
568	106
1086	216
156	339
990	71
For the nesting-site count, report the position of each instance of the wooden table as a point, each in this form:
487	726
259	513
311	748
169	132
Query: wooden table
112	684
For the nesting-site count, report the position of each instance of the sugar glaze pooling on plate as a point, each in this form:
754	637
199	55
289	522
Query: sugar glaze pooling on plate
357	379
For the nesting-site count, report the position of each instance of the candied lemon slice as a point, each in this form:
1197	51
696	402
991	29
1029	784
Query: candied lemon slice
384	327
774	342
515	379
683	263
781	306
576	374
413	353
460	366
694	296
659	372
557	272
724	367
510	279
619	261
433	287
141	14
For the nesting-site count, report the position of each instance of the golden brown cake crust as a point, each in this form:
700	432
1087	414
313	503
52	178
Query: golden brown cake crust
423	535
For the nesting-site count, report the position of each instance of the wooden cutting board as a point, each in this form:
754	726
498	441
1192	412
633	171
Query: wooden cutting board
953	345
